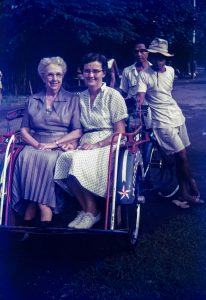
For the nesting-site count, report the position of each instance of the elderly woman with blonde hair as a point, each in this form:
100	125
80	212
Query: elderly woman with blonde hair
51	124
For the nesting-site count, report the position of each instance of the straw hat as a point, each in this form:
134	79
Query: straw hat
159	46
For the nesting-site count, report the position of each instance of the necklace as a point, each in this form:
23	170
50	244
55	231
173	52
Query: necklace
49	103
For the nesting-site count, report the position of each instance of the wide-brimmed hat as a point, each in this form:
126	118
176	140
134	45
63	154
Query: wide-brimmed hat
159	46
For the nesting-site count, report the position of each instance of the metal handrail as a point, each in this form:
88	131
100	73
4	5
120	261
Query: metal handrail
132	144
4	173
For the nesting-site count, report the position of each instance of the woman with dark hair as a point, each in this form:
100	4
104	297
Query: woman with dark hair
84	171
51	123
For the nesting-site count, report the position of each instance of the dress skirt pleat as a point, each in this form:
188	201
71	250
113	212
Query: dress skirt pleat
36	182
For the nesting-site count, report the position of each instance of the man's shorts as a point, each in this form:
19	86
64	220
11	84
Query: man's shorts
172	140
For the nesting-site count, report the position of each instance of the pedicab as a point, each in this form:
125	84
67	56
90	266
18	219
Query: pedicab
130	166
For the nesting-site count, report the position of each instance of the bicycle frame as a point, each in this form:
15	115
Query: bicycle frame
10	157
134	140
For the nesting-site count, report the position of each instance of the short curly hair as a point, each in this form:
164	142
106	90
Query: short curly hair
91	57
44	62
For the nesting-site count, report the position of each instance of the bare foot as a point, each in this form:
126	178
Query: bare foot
181	204
191	199
197	200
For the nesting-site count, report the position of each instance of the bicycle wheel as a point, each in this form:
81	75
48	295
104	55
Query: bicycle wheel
133	210
133	221
162	173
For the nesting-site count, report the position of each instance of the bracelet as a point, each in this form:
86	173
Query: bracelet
56	143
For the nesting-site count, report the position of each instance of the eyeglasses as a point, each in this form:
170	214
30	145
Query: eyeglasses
140	50
52	75
95	72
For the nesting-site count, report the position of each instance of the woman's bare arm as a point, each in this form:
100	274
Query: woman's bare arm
28	138
119	127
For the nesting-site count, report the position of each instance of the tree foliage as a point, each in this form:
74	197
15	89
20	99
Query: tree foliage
32	29
87	20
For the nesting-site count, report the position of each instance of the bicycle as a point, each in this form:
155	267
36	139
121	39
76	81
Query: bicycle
139	165
159	168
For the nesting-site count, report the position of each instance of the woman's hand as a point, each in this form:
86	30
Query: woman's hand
46	146
62	146
87	146
68	146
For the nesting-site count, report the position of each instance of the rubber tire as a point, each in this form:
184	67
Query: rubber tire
133	222
133	210
162	173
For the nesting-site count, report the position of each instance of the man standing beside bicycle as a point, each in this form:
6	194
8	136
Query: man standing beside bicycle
128	84
168	122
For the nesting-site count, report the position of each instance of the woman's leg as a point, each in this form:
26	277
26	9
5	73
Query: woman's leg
90	214
30	212
45	213
85	198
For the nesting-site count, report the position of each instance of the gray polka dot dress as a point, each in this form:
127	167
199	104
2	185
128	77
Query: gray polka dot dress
90	167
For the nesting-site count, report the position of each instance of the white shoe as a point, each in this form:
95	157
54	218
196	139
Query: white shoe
76	221
87	221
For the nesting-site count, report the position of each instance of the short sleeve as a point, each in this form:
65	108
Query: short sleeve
118	109
75	120
173	73
141	83
25	120
124	82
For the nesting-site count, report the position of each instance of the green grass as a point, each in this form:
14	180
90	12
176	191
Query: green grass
169	263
